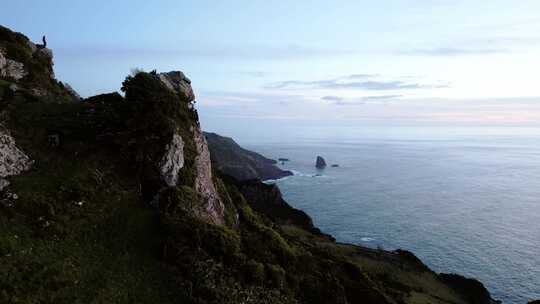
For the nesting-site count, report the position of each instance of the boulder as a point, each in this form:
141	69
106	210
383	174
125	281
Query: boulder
320	163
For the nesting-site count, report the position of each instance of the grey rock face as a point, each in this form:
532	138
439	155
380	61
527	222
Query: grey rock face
179	83
320	163
13	161
3	62
172	161
204	184
11	68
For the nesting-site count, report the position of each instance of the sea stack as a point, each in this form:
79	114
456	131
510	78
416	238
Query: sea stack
320	163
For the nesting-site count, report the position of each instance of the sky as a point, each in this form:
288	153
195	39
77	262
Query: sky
270	66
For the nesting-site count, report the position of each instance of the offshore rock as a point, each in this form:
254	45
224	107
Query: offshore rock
320	163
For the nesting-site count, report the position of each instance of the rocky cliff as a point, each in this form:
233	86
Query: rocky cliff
242	164
113	199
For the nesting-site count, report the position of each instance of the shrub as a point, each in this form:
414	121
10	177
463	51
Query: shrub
253	272
276	275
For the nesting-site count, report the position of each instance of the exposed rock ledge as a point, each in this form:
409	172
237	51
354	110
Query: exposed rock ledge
204	183
172	161
13	161
179	83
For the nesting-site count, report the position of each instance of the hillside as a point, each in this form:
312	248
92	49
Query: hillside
113	199
231	159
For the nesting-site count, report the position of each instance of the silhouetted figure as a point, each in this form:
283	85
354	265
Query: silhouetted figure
44	41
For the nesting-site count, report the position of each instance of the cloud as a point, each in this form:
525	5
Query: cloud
485	45
451	51
332	98
340	101
248	99
208	51
254	74
368	83
382	97
361	76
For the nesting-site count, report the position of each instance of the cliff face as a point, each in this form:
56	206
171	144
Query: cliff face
113	199
242	164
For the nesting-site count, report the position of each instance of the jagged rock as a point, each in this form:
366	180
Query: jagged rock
172	161
320	163
11	68
214	208
179	83
204	183
13	161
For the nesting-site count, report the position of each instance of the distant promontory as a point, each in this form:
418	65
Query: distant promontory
242	164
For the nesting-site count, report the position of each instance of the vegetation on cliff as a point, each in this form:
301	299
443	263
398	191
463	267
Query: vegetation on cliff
93	221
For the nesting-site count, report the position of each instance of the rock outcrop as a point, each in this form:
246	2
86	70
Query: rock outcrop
29	67
172	161
213	210
320	163
204	183
233	160
11	68
178	82
13	161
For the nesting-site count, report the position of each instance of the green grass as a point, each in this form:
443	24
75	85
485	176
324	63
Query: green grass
107	250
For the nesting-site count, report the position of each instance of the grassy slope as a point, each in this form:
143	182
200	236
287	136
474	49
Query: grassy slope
82	230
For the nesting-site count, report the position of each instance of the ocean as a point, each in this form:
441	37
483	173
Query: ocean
465	200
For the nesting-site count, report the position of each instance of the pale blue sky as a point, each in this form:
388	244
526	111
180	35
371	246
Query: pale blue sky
472	62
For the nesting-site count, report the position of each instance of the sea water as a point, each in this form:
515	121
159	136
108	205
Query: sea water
464	201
